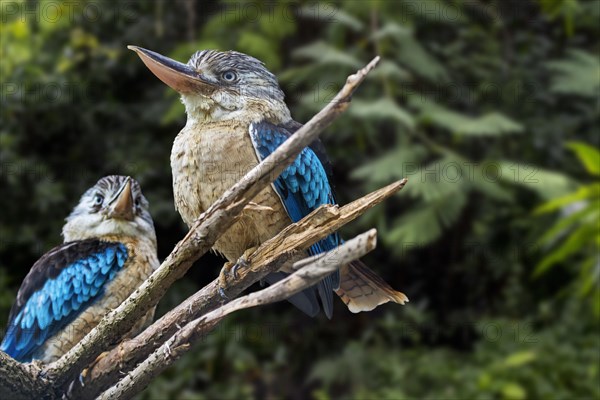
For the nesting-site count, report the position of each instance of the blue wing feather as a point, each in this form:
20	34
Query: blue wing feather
303	186
57	289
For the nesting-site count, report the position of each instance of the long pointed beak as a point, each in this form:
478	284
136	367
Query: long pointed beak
121	206
179	76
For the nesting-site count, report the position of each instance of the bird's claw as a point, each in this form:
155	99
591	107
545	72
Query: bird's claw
230	268
84	374
42	373
222	294
233	268
223	280
241	262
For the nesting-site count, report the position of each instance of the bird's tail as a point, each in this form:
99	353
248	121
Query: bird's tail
305	300
363	290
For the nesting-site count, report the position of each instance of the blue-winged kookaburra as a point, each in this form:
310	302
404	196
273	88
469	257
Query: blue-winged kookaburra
109	249
236	116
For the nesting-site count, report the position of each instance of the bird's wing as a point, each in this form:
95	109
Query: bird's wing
318	148
58	287
302	187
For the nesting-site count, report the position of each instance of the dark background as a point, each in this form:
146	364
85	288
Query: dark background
490	108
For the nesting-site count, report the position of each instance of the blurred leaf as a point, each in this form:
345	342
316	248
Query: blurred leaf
513	391
481	180
569	247
588	155
567	9
412	54
425	222
396	164
391	30
436	11
324	53
277	28
548	184
175	112
519	358
565	223
389	69
438	180
583	193
490	124
327	12
384	108
259	46
342	17
579	74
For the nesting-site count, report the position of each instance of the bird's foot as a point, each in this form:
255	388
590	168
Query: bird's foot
230	268
84	374
227	267
42	374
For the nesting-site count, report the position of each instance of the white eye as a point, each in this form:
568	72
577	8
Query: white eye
229	76
98	199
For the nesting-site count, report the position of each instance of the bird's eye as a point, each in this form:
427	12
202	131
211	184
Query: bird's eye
98	200
229	76
137	202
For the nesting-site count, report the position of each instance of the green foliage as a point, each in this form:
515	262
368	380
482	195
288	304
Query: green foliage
472	102
547	184
578	74
510	360
567	9
492	124
588	155
576	234
383	109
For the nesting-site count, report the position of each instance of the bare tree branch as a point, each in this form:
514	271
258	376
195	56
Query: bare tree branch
19	381
311	271
200	238
269	257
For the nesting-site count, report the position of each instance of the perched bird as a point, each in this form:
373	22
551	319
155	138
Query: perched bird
236	117
109	249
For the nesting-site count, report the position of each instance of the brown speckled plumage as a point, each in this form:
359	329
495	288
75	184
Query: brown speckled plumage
207	159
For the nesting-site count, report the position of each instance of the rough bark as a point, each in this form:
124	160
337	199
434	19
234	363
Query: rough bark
19	381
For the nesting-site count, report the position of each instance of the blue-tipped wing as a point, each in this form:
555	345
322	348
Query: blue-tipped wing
302	187
59	286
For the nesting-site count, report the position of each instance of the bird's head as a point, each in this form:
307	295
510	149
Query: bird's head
217	85
115	206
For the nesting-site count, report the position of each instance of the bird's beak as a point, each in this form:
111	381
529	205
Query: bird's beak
121	206
179	76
